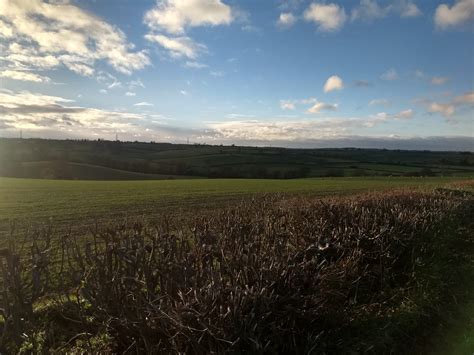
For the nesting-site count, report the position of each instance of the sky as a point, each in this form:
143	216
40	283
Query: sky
292	73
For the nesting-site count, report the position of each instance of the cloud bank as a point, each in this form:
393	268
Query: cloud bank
45	35
169	20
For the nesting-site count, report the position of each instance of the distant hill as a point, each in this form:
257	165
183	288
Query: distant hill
113	160
79	171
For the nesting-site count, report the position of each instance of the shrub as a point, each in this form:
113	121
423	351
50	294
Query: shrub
267	276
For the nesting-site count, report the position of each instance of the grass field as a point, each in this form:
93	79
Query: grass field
72	202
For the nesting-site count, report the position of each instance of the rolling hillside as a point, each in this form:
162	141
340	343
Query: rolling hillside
108	160
81	171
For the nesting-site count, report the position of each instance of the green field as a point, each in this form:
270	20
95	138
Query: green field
72	202
79	171
114	160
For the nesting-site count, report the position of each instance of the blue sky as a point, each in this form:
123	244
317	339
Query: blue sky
274	72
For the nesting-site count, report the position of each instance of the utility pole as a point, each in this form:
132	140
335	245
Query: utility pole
21	134
187	140
116	136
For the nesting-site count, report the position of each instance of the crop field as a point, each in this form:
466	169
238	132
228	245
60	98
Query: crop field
304	265
71	202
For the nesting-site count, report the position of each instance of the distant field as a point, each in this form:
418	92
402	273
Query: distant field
70	202
81	171
107	160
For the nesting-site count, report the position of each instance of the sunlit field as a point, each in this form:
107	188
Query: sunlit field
70	202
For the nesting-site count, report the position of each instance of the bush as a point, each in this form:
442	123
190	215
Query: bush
267	276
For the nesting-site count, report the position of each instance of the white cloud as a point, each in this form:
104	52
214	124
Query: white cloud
114	85
21	57
322	106
316	106
39	113
327	17
6	30
178	46
143	104
286	19
385	117
183	92
195	65
439	80
216	73
173	16
108	80
279	130
369	10
287	5
333	83
103	91
9	99
404	114
389	75
287	105
298	130
134	84
450	108
24	76
308	101
291	104
447	110
461	12
467	98
409	9
79	68
47	34
52	116
129	93
379	102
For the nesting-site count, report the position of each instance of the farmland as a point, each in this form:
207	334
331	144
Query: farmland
114	160
72	202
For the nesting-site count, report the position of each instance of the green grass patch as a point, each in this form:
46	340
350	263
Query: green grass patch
66	201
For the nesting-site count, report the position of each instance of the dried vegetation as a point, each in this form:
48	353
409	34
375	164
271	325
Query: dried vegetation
267	276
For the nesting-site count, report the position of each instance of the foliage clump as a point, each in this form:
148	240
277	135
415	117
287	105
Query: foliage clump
273	275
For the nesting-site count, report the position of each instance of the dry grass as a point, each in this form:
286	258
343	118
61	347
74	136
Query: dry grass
266	276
